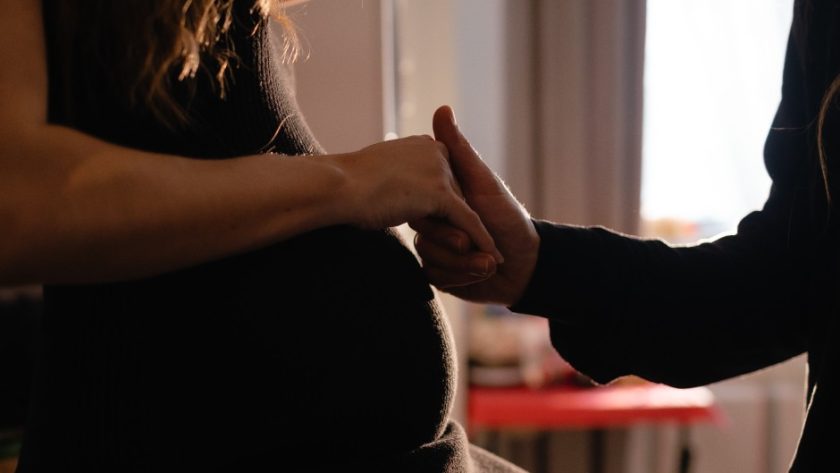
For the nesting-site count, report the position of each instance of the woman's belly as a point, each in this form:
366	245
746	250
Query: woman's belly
321	342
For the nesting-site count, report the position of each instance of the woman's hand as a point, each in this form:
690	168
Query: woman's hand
408	179
450	261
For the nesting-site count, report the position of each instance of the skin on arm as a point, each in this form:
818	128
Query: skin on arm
76	209
451	262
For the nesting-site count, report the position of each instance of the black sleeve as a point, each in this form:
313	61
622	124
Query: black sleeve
19	322
690	315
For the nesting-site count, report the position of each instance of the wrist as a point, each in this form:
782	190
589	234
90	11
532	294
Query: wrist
344	204
527	264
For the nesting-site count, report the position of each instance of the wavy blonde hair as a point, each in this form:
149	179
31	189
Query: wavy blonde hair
180	38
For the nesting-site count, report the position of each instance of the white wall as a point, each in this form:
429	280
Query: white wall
339	75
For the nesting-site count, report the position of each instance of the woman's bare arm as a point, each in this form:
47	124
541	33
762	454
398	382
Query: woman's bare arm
77	209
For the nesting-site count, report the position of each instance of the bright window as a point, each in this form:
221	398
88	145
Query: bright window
712	83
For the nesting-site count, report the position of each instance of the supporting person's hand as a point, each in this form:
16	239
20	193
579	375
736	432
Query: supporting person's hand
451	261
403	180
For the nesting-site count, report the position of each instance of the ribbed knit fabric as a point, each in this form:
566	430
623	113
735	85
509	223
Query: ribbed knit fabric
326	352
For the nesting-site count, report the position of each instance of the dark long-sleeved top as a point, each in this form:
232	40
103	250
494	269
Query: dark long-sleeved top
689	316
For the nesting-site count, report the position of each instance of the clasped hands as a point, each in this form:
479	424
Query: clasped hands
452	258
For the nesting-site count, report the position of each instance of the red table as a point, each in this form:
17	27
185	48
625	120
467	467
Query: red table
591	408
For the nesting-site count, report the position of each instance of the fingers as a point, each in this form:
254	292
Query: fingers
470	170
443	279
475	264
447	261
453	208
444	151
445	126
453	182
441	233
456	186
463	217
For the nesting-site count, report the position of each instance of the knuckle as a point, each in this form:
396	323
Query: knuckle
439	187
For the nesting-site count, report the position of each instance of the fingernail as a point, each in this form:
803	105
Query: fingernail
452	114
482	266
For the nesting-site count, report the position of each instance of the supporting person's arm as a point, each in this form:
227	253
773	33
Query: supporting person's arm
684	316
77	209
620	305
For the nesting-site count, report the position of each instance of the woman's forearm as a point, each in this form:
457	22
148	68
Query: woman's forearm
76	209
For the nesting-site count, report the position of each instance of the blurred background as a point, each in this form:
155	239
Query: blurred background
646	116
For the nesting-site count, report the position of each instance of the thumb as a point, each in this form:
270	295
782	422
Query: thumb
472	173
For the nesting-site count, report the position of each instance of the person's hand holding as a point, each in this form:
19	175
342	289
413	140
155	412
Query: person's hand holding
451	261
402	180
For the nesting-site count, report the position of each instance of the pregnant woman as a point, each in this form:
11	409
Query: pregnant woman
320	348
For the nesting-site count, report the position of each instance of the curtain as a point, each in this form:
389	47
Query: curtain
578	75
